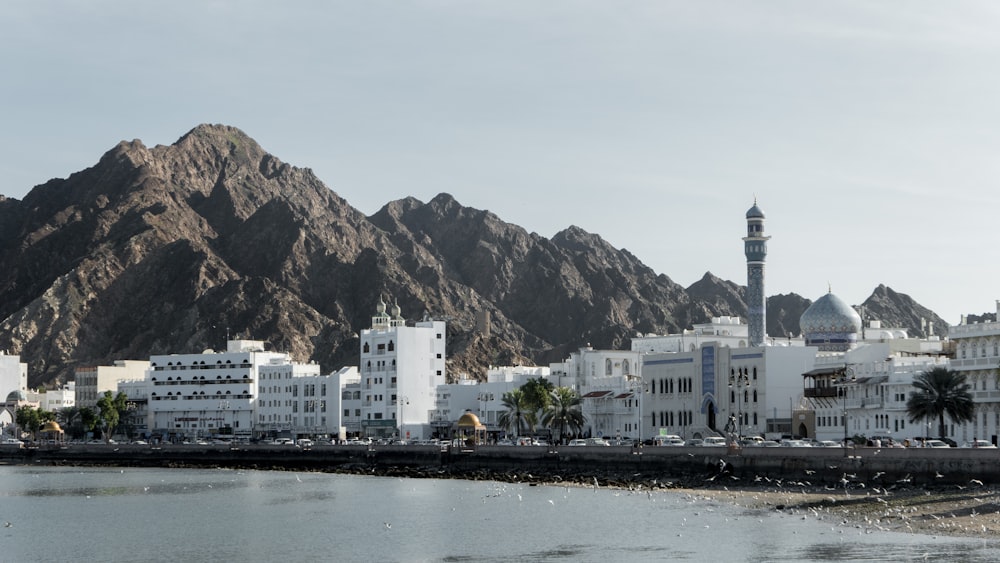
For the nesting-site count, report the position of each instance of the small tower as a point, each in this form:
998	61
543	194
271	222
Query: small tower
755	248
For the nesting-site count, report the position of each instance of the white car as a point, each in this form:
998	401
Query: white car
577	442
713	442
935	444
795	444
985	444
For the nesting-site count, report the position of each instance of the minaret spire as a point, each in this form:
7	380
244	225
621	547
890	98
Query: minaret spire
755	248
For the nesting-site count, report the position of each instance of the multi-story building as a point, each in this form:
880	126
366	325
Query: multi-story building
92	381
199	395
401	368
607	382
977	356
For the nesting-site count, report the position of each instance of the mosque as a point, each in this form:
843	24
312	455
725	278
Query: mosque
837	378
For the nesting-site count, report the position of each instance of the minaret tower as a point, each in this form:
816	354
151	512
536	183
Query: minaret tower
755	247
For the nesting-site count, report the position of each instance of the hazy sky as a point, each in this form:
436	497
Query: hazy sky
868	131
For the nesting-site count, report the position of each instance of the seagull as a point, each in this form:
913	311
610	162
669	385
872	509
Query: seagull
7	525
976	482
388	526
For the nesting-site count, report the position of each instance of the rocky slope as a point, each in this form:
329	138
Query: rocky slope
170	248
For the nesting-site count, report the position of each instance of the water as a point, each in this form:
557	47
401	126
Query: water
103	514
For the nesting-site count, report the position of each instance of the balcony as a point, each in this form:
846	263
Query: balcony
821	392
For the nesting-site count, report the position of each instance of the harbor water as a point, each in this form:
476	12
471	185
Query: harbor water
111	514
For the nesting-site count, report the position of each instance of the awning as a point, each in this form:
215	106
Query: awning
624	396
824	371
596	395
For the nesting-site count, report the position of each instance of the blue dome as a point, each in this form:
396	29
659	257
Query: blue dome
755	212
831	324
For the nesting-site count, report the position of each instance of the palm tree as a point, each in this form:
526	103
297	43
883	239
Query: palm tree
565	410
517	412
941	391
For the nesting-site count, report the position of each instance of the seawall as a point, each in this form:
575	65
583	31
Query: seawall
681	465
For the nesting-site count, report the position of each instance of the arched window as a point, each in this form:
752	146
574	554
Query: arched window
755	373
755	395
392	346
366	348
625	367
607	366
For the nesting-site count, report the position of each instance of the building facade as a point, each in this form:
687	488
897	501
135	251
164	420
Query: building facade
214	393
401	368
92	381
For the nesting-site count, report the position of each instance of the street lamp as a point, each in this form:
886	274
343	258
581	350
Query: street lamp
486	398
403	401
738	381
847	378
224	406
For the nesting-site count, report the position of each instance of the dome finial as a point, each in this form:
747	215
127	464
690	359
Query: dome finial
829	287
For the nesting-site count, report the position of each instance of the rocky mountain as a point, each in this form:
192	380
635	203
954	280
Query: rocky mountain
170	249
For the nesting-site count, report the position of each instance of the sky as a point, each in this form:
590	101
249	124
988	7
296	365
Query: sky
868	132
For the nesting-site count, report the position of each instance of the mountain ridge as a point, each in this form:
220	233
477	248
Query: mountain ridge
170	248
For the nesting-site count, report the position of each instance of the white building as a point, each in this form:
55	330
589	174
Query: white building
137	423
401	367
54	399
693	394
13	374
199	395
92	381
724	330
977	356
606	381
862	392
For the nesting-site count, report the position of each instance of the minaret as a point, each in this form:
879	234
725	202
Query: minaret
755	247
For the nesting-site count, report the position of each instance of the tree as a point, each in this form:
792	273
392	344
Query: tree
88	418
31	418
515	416
940	391
565	410
537	396
70	419
111	409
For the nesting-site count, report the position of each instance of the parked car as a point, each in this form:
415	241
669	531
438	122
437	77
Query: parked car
693	442
670	442
935	444
577	442
508	442
979	444
713	442
795	444
826	444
